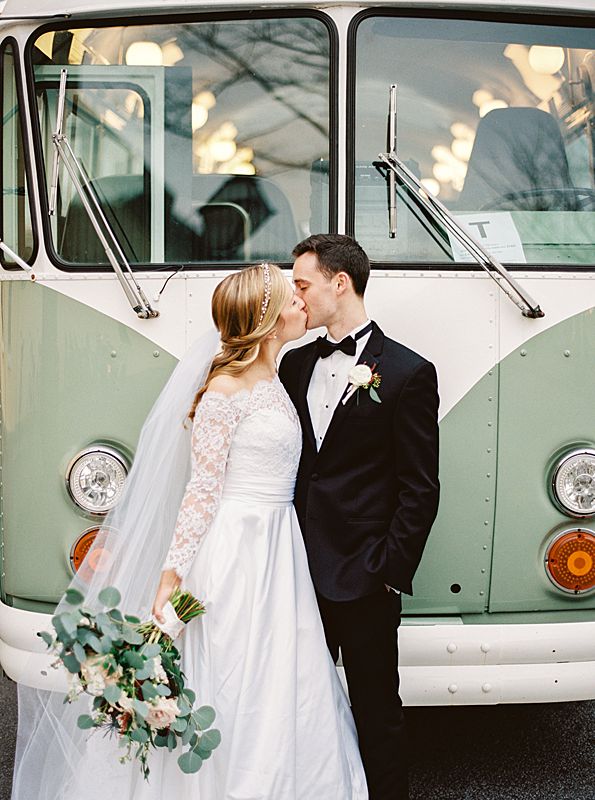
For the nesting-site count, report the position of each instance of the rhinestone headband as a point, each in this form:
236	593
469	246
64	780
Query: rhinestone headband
267	292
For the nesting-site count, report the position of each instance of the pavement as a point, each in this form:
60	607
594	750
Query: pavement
521	752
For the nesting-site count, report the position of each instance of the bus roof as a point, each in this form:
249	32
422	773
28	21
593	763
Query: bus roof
40	9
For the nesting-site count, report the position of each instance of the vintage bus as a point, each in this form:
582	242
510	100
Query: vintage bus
150	146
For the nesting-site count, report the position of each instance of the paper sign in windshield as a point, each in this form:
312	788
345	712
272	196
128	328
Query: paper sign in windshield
495	232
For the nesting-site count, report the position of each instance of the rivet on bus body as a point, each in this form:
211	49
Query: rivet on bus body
486	522
483	571
485	547
491	372
489	450
487	687
43	672
487	499
489	424
485	647
488	474
490	399
451	647
113	354
481	594
453	688
567	353
523	352
156	353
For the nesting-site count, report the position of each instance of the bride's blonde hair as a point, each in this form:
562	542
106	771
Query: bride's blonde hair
245	308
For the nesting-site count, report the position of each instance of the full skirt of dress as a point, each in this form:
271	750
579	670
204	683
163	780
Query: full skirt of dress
259	657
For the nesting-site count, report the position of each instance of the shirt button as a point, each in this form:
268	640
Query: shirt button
332	374
315	476
326	406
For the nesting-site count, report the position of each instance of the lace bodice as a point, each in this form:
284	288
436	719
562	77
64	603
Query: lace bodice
251	438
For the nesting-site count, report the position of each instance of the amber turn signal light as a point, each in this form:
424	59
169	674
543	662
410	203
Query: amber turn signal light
97	560
570	561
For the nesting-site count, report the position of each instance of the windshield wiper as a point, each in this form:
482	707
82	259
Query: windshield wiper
395	168
84	188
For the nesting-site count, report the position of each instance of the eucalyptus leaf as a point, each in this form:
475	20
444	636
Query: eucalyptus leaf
85	722
202	752
115	614
112	693
131	636
204	716
144	672
73	596
139	735
160	740
47	637
87	637
190	762
149	691
132	619
187	735
151	650
142	709
79	652
105	644
109	596
165	691
71	663
134	659
171	741
179	725
374	395
190	695
210	739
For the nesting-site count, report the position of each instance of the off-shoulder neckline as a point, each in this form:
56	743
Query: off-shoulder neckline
244	391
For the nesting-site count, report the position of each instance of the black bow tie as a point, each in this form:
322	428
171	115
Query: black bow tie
346	345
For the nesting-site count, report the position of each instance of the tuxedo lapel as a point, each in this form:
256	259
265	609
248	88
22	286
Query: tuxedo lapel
306	371
371	355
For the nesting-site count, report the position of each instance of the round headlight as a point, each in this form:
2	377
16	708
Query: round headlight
95	479
570	561
573	483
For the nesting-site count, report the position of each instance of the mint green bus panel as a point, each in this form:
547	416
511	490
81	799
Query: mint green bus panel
71	377
547	388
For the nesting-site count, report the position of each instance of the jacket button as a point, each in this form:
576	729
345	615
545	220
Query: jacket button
315	476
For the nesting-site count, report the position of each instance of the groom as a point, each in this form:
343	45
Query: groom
367	487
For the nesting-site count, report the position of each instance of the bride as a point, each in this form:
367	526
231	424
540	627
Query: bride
259	654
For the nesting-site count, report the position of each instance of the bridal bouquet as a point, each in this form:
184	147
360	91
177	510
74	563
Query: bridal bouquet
132	670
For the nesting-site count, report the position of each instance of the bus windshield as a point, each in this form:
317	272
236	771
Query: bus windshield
496	119
204	141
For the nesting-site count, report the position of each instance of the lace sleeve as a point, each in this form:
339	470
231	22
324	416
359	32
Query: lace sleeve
214	423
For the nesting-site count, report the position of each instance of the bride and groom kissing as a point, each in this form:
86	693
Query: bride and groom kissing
310	499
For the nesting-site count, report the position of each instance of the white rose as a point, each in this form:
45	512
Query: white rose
162	712
360	375
158	671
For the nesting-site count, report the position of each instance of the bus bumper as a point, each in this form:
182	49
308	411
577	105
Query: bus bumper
442	662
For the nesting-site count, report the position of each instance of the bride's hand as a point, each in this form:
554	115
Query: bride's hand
170	580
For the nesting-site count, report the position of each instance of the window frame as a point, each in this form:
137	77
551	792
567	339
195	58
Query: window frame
11	42
152	19
555	18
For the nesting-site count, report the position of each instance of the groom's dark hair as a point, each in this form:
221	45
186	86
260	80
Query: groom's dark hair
338	253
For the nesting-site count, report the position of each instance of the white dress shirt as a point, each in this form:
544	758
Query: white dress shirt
329	381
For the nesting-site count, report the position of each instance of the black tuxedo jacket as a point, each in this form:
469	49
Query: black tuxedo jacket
367	499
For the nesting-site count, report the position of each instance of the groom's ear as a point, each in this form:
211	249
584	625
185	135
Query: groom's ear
343	283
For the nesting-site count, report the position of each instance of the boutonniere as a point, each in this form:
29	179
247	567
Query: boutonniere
363	377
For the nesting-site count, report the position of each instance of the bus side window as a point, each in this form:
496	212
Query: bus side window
15	223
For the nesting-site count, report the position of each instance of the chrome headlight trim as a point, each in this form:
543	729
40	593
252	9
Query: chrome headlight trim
583	484
95	478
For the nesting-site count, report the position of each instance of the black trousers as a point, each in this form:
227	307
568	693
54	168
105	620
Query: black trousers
366	631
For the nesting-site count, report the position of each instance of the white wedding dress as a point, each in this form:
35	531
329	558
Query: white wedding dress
258	655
